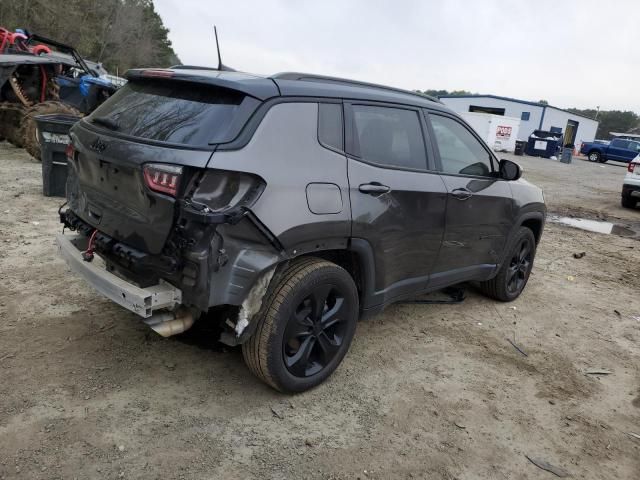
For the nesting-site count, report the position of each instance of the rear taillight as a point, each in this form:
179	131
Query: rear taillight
70	152
162	178
631	167
221	190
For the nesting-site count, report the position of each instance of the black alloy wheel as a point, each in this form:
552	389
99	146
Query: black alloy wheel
305	326
513	275
315	331
519	267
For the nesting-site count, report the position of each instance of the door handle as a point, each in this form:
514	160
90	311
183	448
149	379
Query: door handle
462	193
374	188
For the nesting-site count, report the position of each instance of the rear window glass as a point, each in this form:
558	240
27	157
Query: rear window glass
169	111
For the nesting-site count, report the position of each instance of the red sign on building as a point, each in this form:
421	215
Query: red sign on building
503	132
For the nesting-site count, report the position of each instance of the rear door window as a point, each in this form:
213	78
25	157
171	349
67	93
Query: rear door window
169	111
618	143
389	137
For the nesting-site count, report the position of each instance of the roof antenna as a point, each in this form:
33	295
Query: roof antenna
221	67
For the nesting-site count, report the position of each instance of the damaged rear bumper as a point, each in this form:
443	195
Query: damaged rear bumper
209	261
142	301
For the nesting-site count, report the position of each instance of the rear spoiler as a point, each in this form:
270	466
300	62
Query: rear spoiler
256	87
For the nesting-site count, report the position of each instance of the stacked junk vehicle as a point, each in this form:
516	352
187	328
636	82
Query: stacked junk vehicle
39	76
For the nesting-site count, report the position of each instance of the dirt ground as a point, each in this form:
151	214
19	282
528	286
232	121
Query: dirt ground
427	391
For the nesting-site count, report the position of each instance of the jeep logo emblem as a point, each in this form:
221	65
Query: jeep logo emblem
98	146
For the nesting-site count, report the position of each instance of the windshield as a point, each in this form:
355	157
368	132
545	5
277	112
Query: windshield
169	111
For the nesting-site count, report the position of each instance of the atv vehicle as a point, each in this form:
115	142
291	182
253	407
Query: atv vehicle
35	80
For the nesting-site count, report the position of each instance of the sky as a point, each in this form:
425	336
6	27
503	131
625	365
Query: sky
572	53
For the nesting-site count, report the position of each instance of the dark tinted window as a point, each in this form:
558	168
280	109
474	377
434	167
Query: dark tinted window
330	129
460	151
389	136
619	143
167	111
491	110
525	116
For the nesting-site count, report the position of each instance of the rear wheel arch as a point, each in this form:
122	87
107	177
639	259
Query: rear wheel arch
348	259
290	327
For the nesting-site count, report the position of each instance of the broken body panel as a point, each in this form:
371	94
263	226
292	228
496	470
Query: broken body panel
220	240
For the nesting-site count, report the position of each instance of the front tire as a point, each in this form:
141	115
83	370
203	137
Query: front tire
595	157
305	326
514	273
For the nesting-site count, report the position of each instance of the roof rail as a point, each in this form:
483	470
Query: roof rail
344	81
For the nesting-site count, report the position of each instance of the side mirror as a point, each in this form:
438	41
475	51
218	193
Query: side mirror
510	170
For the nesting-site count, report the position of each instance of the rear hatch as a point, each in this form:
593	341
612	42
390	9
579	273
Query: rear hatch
135	155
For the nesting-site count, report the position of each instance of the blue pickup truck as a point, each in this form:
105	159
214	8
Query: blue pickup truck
619	149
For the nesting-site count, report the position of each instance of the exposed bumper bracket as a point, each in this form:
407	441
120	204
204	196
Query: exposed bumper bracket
142	301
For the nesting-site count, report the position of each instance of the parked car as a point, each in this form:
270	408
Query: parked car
631	184
287	207
620	150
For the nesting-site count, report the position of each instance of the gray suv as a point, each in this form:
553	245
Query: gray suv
287	207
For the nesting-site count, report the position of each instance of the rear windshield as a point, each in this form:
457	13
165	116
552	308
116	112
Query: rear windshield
169	111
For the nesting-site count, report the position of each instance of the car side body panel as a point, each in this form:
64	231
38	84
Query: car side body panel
529	208
477	227
285	152
404	226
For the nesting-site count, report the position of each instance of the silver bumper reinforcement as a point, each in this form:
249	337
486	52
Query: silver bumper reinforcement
143	301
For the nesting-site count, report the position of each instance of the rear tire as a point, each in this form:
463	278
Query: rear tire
29	132
514	273
627	201
594	157
305	326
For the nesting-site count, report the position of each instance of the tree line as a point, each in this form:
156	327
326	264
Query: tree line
440	93
121	34
611	121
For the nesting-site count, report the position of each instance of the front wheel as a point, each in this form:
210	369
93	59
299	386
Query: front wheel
595	157
305	326
514	273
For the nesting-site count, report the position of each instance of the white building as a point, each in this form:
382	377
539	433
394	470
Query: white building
532	115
